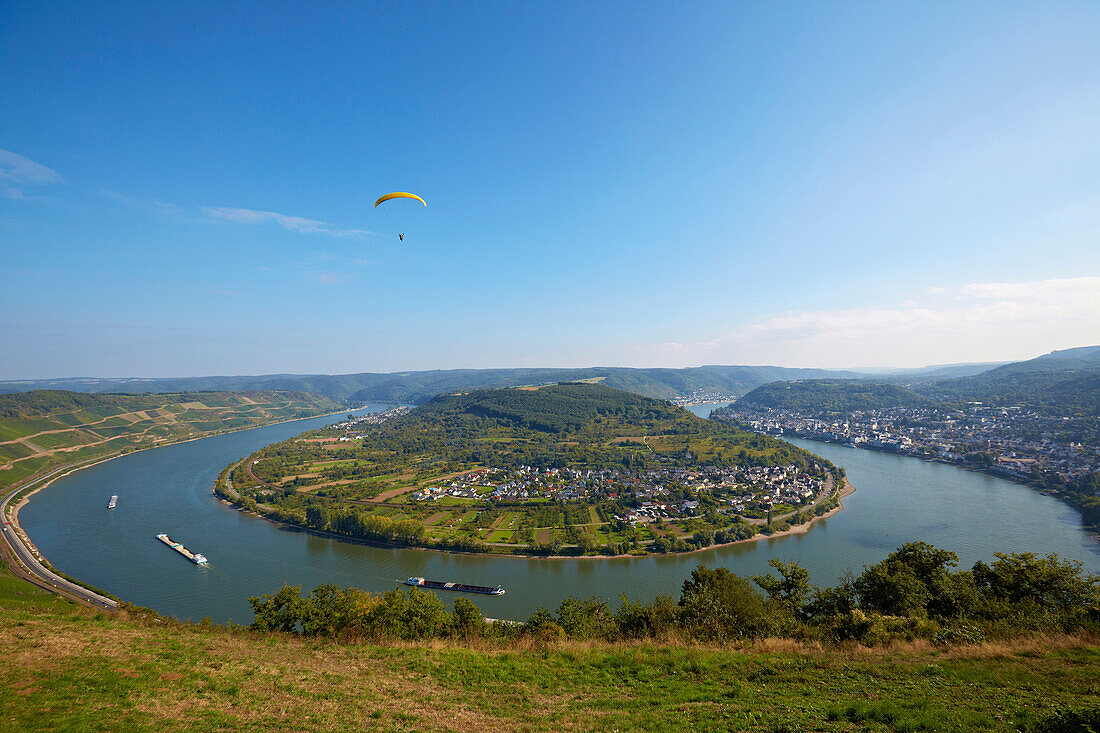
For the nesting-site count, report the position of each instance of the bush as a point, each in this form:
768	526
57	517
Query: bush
588	619
646	620
873	629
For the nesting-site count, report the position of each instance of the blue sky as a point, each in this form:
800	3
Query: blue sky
187	189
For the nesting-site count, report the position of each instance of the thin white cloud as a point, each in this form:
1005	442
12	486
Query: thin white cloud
326	277
975	322
290	223
160	208
14	167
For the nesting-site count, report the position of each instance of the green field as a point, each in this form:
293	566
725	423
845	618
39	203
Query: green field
40	430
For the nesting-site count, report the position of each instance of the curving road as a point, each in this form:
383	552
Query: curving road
25	564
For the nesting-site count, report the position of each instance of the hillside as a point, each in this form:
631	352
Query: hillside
821	396
1062	383
419	387
45	428
64	667
521	470
556	408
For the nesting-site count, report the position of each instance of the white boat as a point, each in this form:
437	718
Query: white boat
114	500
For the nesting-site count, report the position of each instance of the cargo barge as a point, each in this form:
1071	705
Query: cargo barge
418	582
196	557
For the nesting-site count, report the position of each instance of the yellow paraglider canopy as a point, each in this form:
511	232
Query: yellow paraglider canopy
399	195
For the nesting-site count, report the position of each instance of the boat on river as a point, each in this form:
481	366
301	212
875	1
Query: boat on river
196	557
418	582
113	502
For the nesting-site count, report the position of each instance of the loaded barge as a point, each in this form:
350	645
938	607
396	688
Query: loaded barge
417	582
196	557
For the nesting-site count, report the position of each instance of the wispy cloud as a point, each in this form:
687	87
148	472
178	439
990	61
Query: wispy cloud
974	322
15	170
15	167
160	208
326	277
290	223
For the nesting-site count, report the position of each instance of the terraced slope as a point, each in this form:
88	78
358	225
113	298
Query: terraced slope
47	428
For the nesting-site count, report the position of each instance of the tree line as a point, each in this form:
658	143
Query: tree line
914	593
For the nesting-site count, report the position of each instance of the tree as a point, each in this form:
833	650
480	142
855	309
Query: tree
911	581
411	614
789	591
468	620
279	612
317	516
644	621
587	543
1045	581
587	619
718	604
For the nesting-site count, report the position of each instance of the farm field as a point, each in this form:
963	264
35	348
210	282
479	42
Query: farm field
40	430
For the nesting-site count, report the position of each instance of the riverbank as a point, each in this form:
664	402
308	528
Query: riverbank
1092	531
846	490
47	575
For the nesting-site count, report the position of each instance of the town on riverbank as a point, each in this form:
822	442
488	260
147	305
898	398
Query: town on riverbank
572	469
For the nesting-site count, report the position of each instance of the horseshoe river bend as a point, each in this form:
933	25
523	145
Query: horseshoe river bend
168	489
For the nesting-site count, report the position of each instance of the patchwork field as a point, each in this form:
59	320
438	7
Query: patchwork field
39	430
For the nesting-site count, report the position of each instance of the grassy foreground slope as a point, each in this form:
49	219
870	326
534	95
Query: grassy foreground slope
46	428
63	667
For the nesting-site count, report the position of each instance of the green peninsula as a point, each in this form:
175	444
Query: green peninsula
568	469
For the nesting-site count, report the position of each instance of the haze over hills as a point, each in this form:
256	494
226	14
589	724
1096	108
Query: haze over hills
1065	376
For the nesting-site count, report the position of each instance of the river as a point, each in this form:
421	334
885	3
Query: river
897	500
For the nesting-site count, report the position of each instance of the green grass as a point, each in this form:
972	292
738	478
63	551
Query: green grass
64	667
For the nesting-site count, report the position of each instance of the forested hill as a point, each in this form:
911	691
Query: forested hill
419	387
556	408
1062	383
560	425
811	397
1059	384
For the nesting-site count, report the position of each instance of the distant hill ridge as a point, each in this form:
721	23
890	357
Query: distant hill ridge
420	386
1061	383
936	382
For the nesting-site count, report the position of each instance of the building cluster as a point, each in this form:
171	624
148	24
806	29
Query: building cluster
1015	442
372	418
702	397
646	491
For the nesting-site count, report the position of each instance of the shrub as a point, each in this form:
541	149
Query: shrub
646	620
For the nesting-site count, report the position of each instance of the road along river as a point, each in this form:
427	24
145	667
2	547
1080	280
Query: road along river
897	500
